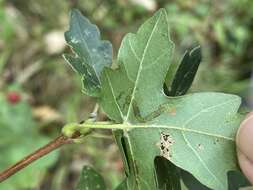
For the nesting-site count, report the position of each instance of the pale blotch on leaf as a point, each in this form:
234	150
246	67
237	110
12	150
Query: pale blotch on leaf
173	111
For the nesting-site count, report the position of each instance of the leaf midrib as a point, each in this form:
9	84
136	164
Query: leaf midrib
140	69
127	126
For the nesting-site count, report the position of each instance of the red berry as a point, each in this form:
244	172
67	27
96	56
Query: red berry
13	97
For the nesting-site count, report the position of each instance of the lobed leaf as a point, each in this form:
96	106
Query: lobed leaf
143	59
91	54
196	132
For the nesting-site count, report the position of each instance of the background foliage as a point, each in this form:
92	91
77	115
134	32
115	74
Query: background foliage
31	44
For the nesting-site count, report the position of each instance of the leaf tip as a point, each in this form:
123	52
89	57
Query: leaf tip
74	13
197	53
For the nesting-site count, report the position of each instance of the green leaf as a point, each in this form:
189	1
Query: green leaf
236	180
167	174
195	132
91	54
186	72
192	183
144	59
90	180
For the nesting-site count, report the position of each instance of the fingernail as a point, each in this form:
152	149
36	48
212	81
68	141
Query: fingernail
244	138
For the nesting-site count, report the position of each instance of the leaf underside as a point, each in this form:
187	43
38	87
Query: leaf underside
194	132
191	131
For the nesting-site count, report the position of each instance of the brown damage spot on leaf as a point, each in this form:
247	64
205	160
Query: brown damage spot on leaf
166	141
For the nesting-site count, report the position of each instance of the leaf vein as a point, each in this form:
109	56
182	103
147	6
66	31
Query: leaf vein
156	60
133	50
204	111
200	159
114	97
140	67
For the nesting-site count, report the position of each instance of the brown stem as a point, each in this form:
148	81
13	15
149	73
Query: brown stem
53	145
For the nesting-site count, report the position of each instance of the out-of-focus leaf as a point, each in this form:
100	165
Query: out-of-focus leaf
18	138
122	186
186	72
90	180
3	60
91	54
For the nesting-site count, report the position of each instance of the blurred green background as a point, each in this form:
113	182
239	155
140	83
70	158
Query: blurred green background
39	92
